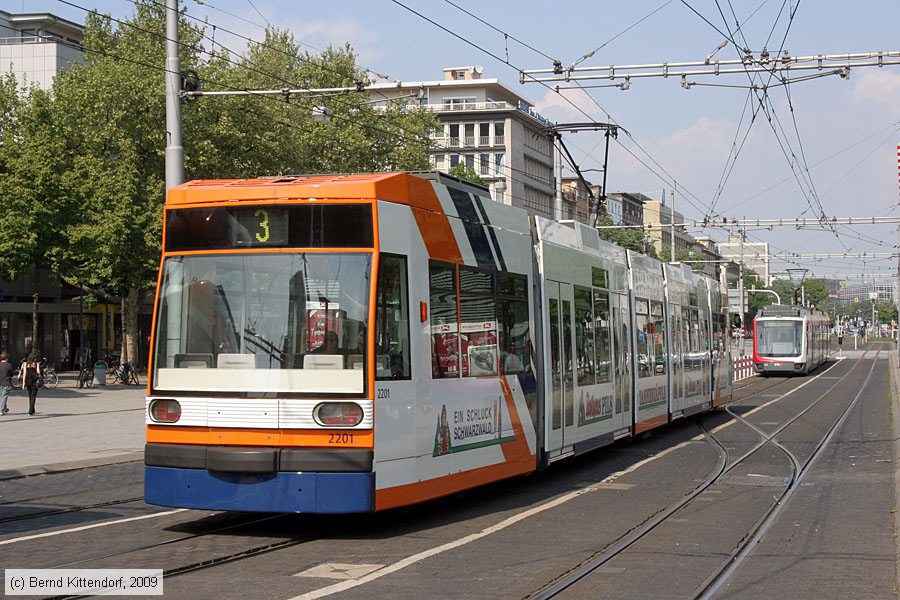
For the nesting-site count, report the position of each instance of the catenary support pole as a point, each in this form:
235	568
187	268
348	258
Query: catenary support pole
174	149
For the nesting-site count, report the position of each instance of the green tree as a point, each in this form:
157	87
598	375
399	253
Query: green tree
466	174
83	166
784	288
630	238
815	291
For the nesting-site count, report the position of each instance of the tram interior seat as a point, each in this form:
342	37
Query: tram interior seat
193	361
323	361
382	363
236	361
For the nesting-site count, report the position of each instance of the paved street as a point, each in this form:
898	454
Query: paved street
73	428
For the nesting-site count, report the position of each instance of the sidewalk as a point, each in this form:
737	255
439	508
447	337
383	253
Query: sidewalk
73	428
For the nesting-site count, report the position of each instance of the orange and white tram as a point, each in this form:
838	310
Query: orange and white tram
354	343
790	339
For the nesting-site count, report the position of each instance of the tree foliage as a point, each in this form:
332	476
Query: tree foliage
466	174
630	238
83	166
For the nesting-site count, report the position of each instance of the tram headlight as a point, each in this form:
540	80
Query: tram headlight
338	414
165	411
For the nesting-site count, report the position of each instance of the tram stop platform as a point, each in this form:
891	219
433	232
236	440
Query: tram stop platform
72	428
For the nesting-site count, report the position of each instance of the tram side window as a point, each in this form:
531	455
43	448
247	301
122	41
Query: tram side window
601	336
477	323
392	357
515	337
658	331
444	328
642	329
585	361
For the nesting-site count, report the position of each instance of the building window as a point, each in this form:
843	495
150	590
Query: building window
484	134
439	161
470	134
499	162
454	134
499	133
470	162
485	162
536	200
454	160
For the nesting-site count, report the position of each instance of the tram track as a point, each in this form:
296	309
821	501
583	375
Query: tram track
713	583
68	510
722	468
203	563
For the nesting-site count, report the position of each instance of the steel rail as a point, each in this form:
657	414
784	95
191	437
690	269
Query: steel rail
715	581
633	536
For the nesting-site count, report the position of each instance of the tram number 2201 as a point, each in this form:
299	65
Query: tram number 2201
340	438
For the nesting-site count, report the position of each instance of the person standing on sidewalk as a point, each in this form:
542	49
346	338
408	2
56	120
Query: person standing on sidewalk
31	371
6	370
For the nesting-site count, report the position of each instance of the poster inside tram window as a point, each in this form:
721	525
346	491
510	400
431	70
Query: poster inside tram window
321	317
445	350
479	348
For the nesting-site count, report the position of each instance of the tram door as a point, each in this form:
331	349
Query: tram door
619	321
561	409
677	341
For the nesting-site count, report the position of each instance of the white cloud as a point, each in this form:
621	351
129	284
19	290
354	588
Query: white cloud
562	105
321	33
881	87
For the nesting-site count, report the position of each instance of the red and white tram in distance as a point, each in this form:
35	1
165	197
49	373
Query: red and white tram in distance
330	344
790	339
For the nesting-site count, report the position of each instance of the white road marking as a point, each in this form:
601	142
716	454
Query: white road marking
415	558
84	527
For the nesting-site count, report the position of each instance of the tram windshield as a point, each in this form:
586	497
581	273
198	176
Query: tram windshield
779	338
263	323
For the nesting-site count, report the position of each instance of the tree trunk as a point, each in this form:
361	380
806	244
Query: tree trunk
34	323
131	305
124	355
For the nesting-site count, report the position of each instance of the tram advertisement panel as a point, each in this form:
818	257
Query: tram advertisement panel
471	424
478	345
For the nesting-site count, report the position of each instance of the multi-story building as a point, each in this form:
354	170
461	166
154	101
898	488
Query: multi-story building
613	206
35	47
487	127
713	264
882	291
577	199
632	206
754	255
659	218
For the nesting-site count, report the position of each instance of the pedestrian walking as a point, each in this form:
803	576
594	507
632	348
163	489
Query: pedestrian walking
6	370
31	373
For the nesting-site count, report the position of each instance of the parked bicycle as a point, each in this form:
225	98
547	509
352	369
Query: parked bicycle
49	377
123	373
86	377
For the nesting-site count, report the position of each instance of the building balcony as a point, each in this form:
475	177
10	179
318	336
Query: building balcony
37	39
457	106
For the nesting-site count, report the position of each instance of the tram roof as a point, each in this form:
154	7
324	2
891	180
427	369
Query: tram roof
392	187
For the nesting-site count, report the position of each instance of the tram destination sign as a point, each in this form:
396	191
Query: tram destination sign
269	226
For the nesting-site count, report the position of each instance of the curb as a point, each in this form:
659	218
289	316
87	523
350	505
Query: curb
77	465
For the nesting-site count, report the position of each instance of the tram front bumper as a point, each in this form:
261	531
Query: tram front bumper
254	479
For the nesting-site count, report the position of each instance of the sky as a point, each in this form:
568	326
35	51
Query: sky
828	140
